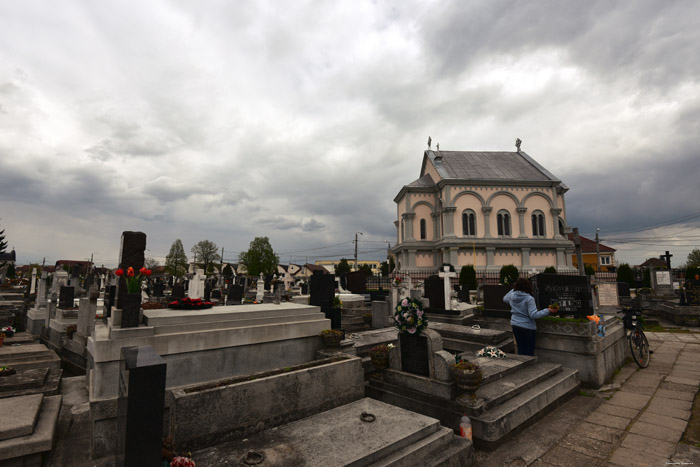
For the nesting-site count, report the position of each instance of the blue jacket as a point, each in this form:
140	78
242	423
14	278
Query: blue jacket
523	312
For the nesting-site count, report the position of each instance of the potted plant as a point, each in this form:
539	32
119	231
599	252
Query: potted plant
332	337
468	375
379	354
131	302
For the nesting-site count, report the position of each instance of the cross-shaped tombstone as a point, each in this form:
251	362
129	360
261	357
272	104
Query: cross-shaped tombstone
446	276
667	258
287	279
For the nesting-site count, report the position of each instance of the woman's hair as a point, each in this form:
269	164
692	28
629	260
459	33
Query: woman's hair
523	285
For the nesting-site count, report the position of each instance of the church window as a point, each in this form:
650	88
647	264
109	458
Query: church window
422	229
503	220
538	224
468	223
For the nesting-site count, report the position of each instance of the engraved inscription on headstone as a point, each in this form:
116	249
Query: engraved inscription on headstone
572	293
414	354
607	294
663	277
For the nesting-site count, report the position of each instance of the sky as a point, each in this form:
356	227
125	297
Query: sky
301	121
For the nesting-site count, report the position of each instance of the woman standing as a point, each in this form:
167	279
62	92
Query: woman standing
523	315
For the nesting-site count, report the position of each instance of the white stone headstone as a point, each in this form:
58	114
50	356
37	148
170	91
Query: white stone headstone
260	288
32	286
446	275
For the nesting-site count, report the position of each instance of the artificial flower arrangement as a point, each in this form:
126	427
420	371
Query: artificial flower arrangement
190	304
398	281
182	461
133	280
409	316
491	352
9	331
7	371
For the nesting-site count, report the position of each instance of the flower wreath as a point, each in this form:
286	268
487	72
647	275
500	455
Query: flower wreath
491	352
409	316
190	304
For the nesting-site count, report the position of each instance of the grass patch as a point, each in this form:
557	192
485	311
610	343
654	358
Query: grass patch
581	392
659	328
557	319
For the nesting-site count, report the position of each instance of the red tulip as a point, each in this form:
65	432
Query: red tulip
148	272
142	271
130	272
119	272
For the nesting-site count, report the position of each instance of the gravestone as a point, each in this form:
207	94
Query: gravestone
260	288
356	282
216	294
692	292
434	291
414	354
322	294
571	292
463	294
446	275
662	283
158	288
178	291
89	280
607	294
32	285
494	306
235	295
66	296
131	254
110	298
140	406
623	289
207	292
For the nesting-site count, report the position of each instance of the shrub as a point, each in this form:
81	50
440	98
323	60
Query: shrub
550	270
625	274
509	274
467	277
589	270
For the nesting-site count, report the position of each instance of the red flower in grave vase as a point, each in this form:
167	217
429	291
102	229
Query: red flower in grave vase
130	272
119	272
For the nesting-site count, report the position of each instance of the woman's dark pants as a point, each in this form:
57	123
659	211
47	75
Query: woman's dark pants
525	339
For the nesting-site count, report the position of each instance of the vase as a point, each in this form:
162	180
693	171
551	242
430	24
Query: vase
380	360
468	380
332	340
131	307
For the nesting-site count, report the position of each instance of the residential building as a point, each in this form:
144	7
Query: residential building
330	265
590	256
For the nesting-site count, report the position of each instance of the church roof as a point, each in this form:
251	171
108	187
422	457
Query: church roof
488	165
425	181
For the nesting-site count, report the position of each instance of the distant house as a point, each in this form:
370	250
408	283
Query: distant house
375	266
487	209
70	265
589	254
308	269
656	263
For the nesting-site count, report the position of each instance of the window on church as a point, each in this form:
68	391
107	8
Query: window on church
422	229
468	223
403	230
503	220
561	228
538	224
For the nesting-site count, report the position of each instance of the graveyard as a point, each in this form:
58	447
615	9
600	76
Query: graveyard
313	372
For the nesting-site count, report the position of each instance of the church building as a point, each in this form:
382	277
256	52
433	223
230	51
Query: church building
488	209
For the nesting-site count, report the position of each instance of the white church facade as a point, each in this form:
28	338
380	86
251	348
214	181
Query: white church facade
488	209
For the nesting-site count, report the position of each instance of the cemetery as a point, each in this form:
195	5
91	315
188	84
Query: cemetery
217	368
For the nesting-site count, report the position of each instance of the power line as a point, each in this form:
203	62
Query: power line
662	224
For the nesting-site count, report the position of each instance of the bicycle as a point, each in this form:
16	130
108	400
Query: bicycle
639	345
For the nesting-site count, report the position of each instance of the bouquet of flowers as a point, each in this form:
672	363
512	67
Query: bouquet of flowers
409	316
398	281
190	304
133	280
9	331
492	352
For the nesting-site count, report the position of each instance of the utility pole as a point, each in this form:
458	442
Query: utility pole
356	248
597	250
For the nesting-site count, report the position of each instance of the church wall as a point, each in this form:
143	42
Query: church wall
423	212
538	258
507	203
503	258
534	203
468	201
467	257
424	260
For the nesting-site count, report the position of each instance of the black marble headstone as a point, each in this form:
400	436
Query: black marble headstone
463	294
304	289
435	292
573	293
623	289
334	314
133	245
177	292
322	289
692	292
207	292
66	296
235	295
171	281
89	280
158	289
110	297
356	282
494	306
414	354
216	293
140	406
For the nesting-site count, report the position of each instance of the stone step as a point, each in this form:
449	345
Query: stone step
511	385
421	452
40	440
226	313
493	425
494	369
453	455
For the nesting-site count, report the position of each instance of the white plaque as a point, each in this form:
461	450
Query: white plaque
607	294
663	277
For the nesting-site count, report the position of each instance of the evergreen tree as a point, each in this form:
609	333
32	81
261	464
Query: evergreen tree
509	274
467	277
176	260
693	257
342	268
625	274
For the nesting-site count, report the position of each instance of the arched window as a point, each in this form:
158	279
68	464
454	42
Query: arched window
538	224
468	223
422	229
561	228
503	220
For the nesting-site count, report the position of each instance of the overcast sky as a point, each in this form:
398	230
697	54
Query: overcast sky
301	121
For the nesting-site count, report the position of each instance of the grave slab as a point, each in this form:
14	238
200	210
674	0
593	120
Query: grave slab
20	415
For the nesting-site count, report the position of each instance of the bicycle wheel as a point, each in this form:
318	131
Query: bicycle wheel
639	345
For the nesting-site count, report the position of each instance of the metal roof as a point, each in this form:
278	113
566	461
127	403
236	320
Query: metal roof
488	165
